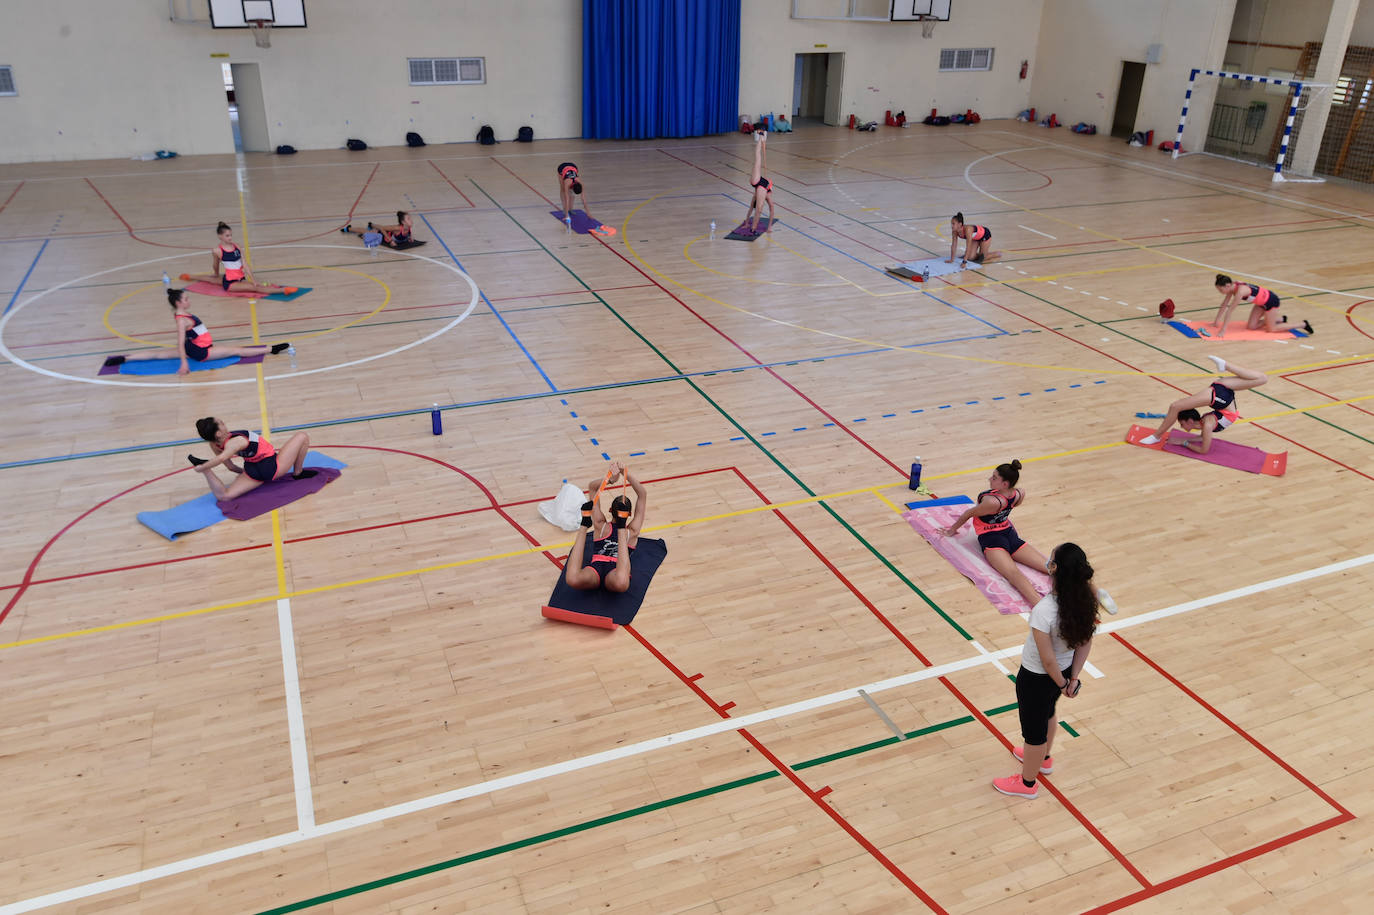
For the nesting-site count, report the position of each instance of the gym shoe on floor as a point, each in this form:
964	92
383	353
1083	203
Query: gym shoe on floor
1013	785
1046	767
1307	326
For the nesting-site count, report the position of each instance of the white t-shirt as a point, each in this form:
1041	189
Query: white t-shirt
1045	617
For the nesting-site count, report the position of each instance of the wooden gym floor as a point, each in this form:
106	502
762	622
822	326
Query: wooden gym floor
355	706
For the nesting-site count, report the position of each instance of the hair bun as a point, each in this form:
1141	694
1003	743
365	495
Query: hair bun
1016	465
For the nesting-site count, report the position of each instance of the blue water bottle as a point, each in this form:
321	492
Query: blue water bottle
436	421
915	474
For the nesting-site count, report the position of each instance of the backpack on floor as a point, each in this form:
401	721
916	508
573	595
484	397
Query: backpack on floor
525	135
284	150
356	145
414	139
486	136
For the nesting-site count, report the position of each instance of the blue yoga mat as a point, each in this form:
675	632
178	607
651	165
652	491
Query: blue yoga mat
948	500
283	297
203	511
620	606
170	366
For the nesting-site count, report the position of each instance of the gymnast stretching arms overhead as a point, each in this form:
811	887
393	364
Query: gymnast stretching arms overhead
261	463
230	270
613	539
1002	548
194	343
1221	397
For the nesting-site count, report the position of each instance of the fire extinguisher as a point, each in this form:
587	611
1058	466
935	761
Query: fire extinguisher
1025	68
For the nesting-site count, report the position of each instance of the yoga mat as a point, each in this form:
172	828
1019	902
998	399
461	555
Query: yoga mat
962	552
947	500
282	491
201	288
936	266
1222	452
404	245
204	511
583	224
170	366
619	607
1235	330
742	233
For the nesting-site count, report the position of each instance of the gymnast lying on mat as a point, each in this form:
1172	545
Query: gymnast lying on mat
613	540
1221	397
261	462
397	235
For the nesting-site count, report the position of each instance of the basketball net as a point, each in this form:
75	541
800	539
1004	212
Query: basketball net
928	26
262	32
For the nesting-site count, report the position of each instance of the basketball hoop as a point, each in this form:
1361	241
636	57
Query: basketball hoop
261	30
927	26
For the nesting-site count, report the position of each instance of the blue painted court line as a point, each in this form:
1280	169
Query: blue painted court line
534	362
27	273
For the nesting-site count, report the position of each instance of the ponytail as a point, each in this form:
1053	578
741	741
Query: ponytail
1011	473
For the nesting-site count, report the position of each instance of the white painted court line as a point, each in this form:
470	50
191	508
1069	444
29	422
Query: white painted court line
295	718
1119	302
1036	231
637	749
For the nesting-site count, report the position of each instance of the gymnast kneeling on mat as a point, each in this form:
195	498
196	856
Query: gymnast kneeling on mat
977	241
613	540
392	235
997	537
193	339
1264	307
763	188
1221	397
261	462
230	270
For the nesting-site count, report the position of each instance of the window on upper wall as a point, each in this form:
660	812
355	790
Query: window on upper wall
7	81
966	58
447	71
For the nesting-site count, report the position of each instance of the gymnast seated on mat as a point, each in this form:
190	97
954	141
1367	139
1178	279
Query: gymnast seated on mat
763	188
1264	307
261	463
613	540
1221	397
230	270
392	235
569	186
193	339
977	241
1002	548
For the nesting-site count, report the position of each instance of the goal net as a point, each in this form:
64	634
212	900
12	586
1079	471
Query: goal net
1251	118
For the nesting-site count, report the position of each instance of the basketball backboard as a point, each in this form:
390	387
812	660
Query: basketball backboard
910	10
238	14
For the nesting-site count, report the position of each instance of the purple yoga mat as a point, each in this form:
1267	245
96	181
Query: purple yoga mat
742	233
281	491
1223	453
582	224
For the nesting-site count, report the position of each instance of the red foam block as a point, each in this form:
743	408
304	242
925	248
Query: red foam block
582	619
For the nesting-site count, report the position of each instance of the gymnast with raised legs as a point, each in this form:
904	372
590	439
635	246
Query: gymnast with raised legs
762	187
1220	396
261	463
613	540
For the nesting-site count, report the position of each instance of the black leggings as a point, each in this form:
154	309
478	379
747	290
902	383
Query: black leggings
1036	697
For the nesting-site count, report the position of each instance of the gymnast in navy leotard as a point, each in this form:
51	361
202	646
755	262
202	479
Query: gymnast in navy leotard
1264	308
569	186
1220	397
762	187
230	271
1002	547
612	541
194	342
261	463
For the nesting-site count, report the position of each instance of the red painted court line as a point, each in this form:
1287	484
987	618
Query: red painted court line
771	371
359	199
1353	406
125	223
450	183
1349	319
11	196
1326	368
523	181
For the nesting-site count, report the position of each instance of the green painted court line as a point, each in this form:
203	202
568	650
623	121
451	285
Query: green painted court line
617	817
1066	726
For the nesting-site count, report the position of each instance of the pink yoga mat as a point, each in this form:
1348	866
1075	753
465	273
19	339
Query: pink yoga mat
1236	330
203	288
1222	453
962	552
281	491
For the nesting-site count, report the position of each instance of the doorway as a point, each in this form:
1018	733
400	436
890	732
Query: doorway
816	82
247	113
1128	98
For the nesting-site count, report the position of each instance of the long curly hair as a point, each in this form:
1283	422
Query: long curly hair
1072	578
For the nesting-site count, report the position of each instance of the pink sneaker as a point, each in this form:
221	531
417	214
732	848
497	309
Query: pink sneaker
1046	767
1013	785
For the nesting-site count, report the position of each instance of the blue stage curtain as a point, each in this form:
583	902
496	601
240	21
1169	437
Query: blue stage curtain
659	68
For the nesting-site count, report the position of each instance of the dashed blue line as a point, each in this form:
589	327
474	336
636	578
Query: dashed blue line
799	429
594	441
701	444
638	453
888	415
585	429
674	448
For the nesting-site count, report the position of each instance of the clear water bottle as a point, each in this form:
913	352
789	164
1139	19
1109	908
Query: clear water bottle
713	230
291	352
166	280
925	274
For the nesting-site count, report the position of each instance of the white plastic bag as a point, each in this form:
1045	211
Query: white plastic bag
565	509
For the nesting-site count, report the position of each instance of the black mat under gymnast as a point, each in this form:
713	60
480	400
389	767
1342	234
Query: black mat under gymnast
608	609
